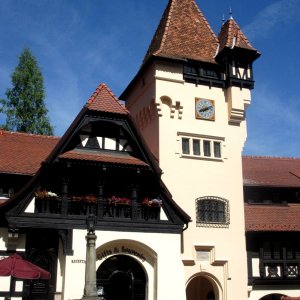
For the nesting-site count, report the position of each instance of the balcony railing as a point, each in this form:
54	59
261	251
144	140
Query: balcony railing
112	207
287	269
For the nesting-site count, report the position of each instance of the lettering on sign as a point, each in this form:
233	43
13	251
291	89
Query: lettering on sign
116	250
78	261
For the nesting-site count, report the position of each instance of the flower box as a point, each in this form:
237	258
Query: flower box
151	202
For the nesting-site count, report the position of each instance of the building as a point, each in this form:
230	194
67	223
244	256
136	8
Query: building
272	196
165	179
200	85
99	169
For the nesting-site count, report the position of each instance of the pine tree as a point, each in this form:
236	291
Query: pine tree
25	108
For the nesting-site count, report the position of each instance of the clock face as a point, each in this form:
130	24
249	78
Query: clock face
205	109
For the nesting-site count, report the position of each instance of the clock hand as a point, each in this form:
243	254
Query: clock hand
205	108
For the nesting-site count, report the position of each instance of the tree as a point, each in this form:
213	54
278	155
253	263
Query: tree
25	108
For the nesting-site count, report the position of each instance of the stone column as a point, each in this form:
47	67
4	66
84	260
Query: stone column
90	288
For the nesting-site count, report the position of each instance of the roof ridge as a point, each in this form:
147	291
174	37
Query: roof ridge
166	28
205	20
2	132
271	157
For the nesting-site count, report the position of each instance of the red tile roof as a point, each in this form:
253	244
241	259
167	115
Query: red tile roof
272	217
271	171
105	101
116	158
231	36
183	33
22	153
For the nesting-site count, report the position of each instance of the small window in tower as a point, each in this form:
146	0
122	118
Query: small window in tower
196	147
206	145
217	149
185	146
212	210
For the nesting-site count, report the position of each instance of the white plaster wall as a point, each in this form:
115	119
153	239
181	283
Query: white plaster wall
75	272
191	178
165	276
255	267
60	269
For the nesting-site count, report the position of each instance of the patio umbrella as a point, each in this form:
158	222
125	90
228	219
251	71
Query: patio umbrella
20	268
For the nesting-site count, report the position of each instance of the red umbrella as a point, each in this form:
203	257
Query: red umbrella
20	268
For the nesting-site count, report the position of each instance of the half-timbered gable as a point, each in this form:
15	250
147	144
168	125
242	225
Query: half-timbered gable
100	168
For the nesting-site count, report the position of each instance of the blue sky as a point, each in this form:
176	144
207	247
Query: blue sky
81	43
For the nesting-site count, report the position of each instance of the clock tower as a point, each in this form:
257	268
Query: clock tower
189	100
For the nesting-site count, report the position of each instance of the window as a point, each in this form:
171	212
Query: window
206	145
198	147
217	149
185	146
212	210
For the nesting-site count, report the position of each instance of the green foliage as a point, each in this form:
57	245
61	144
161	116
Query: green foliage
25	108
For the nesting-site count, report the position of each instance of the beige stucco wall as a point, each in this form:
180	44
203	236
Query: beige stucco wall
191	178
162	253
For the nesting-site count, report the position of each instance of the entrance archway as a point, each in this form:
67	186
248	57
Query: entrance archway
200	288
272	297
121	277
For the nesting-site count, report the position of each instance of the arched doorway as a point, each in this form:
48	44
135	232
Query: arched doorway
121	277
200	288
272	297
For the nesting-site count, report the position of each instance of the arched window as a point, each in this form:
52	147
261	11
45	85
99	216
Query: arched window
212	211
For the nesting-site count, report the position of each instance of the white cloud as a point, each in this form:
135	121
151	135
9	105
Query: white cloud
275	15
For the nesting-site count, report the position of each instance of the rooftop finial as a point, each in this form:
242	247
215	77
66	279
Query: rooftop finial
223	20
230	14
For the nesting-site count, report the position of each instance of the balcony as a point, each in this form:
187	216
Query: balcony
103	207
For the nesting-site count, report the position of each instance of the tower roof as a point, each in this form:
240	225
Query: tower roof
183	33
231	36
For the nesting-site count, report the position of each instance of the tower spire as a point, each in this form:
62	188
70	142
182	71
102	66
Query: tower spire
230	14
183	33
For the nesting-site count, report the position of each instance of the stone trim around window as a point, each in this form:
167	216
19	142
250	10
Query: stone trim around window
201	146
212	212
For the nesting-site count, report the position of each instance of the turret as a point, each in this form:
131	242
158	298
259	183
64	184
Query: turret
236	54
